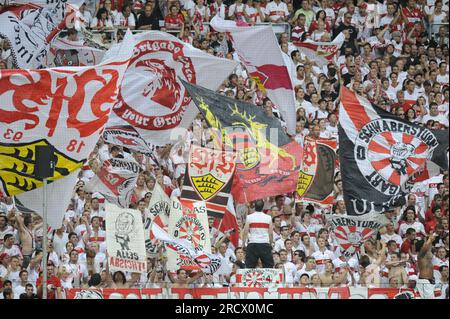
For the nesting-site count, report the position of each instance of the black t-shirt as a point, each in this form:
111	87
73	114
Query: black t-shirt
347	77
153	19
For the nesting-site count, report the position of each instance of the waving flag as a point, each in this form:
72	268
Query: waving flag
264	167
29	28
152	98
380	152
188	221
190	257
159	210
316	178
64	52
66	108
352	231
321	52
115	180
259	51
228	224
209	176
127	136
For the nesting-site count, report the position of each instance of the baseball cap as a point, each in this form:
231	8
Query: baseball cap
413	278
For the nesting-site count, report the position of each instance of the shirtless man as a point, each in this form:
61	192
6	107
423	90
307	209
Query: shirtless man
425	284
25	227
326	278
183	280
397	269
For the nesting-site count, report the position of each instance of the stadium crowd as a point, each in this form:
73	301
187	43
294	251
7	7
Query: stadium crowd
388	56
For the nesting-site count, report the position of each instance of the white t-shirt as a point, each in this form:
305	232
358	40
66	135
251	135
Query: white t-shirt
276	11
259	225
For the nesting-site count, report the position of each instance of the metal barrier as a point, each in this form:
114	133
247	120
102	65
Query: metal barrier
278	29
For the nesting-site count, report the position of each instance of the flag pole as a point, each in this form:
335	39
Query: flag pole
44	239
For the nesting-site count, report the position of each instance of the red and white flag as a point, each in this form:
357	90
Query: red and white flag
64	52
152	98
30	27
66	108
115	180
190	257
228	225
352	231
259	51
321	52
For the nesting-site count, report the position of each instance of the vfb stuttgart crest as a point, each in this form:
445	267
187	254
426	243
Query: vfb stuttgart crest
151	96
210	170
309	167
388	152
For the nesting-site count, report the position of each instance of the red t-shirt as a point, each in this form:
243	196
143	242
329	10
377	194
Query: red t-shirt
405	246
172	22
55	281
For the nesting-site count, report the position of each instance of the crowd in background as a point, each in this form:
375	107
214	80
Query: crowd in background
393	62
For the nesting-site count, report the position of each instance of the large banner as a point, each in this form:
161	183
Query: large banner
159	210
152	98
316	177
209	176
242	293
64	52
188	221
29	28
115	180
352	231
125	239
268	160
268	69
66	108
259	277
380	152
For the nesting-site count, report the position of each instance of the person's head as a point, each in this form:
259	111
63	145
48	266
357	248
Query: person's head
148	9
73	256
95	222
393	282
410	214
276	220
304	280
288	244
8	240
411	234
392	246
310	263
23	275
102	14
259	205
284	231
29	289
119	277
315	280
8	293
73	238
